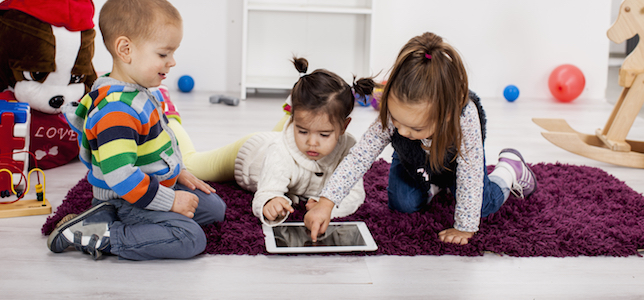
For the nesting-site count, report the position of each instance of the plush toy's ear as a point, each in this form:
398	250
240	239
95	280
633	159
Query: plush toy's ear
83	67
35	53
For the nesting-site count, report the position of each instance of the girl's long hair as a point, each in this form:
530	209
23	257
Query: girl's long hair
428	70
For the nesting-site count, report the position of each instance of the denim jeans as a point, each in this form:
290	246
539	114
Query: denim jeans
405	195
141	234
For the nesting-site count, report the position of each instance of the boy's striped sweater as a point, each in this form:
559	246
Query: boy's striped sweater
126	143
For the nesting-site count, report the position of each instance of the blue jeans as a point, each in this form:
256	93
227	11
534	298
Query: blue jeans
141	234
405	195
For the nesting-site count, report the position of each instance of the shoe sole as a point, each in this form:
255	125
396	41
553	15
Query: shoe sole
515	152
58	230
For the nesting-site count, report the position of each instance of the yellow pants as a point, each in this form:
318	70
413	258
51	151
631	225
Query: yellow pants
215	165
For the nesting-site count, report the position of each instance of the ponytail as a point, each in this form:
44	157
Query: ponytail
429	70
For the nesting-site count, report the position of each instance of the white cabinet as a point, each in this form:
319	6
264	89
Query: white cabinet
331	34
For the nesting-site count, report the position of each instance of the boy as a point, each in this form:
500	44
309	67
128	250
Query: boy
146	205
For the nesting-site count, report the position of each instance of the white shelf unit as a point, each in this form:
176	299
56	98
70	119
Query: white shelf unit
331	34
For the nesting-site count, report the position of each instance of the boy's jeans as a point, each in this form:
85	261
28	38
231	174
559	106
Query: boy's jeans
141	234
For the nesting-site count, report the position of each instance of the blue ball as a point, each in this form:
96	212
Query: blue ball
363	101
511	93
186	83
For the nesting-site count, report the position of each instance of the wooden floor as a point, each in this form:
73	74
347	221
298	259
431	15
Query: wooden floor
30	271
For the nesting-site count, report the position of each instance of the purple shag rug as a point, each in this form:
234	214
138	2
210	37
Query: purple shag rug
577	211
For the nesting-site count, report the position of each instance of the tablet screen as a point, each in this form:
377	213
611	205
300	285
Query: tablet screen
294	237
335	235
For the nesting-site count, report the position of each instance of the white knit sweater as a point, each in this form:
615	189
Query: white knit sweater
271	165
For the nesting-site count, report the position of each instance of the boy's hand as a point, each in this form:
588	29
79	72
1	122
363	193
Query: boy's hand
185	203
455	236
276	207
190	181
318	217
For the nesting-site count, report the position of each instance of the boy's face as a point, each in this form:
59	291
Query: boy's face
153	58
315	135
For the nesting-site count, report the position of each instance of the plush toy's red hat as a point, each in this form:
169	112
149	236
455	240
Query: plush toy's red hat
75	15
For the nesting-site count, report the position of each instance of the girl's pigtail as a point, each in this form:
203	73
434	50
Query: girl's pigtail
364	86
301	64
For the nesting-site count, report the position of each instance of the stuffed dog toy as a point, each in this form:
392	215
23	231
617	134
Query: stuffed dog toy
46	61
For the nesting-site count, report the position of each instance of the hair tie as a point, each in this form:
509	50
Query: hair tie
428	56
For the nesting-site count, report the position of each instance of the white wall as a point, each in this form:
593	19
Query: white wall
210	29
502	41
505	41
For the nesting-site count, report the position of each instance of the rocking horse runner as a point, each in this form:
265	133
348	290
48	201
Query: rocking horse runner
610	144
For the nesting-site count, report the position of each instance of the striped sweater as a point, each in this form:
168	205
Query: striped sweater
126	144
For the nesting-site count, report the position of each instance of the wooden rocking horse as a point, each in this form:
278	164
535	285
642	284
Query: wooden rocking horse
610	144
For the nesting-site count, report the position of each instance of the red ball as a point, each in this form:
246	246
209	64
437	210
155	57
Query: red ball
566	82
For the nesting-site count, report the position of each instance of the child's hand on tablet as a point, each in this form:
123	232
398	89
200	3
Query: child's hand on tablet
276	208
318	217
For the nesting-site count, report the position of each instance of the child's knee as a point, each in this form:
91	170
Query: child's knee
406	203
219	210
193	241
199	243
403	207
214	209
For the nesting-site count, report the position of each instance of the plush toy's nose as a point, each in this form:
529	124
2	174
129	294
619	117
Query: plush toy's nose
56	101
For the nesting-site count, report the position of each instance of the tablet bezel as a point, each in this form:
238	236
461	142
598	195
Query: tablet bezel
271	247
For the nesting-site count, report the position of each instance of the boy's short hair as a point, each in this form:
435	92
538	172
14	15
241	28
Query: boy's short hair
135	19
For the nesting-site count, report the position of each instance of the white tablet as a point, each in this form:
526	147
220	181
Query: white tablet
339	237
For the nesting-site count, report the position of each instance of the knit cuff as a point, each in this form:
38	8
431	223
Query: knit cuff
163	200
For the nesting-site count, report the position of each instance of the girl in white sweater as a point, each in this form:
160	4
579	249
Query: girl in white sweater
285	167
